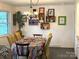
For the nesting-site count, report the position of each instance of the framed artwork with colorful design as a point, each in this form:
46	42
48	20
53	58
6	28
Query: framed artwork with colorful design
50	19
33	21
45	26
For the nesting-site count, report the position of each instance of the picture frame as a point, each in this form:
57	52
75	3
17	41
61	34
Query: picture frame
50	19
41	14
41	10
51	12
45	26
33	21
61	20
41	18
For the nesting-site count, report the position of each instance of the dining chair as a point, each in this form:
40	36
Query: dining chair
46	47
18	35
37	35
14	37
11	39
22	50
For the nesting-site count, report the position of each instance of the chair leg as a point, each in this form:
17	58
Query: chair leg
27	57
17	57
40	57
43	56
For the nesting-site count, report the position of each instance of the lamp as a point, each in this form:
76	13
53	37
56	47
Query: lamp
31	10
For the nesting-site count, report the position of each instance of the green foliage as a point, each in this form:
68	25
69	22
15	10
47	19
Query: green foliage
19	19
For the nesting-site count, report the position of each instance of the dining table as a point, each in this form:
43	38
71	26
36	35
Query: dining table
36	46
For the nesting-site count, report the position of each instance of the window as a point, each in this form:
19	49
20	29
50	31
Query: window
3	23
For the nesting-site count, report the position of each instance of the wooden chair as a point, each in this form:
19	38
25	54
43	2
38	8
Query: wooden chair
37	35
22	50
14	37
18	35
46	47
11	39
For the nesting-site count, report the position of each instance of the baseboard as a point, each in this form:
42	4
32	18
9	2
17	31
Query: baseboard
62	47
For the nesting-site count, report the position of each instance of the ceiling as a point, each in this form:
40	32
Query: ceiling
26	2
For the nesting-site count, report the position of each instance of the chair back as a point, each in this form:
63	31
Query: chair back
22	49
37	35
48	41
18	35
11	39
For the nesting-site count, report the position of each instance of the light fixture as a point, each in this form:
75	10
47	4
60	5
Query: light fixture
31	10
31	7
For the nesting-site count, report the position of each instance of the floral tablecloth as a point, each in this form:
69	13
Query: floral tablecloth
35	46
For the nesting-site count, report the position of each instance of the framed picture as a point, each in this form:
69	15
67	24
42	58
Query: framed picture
50	18
51	12
41	14
61	20
45	26
33	21
41	10
41	18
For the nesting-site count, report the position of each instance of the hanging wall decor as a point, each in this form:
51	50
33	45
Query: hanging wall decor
61	20
51	15
50	18
41	14
33	21
41	10
51	12
45	26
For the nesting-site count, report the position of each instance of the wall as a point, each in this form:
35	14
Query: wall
77	27
63	36
77	19
6	7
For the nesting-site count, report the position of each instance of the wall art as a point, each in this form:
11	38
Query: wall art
61	20
41	14
50	19
33	21
51	12
45	26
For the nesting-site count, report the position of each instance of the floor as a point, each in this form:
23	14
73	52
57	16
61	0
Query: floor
62	53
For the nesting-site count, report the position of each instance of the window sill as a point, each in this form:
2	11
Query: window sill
5	35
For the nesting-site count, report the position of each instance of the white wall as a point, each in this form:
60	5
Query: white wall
77	19
63	36
77	27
